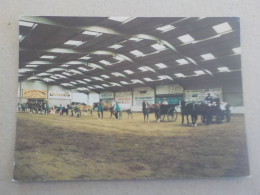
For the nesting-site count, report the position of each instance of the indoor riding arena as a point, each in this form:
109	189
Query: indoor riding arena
102	98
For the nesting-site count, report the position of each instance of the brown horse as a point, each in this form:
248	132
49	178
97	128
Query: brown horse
151	108
105	107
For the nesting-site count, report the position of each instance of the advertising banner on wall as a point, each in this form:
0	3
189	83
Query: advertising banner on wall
106	95
143	94
139	100
201	94
124	97
124	100
59	94
31	93
170	100
169	89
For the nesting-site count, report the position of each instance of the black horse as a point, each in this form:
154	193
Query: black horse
184	112
153	108
207	113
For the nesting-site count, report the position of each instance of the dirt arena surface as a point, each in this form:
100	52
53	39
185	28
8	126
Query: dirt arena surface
54	147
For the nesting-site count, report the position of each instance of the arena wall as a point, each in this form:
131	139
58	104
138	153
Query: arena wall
142	94
230	92
56	97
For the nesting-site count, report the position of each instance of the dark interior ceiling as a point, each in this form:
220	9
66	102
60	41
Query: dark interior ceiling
45	36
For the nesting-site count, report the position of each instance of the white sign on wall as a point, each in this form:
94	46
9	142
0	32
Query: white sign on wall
201	94
106	95
143	94
124	97
169	89
59	94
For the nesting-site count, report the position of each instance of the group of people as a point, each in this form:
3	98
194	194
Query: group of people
212	101
115	108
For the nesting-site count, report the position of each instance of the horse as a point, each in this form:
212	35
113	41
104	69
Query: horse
64	110
184	112
207	111
85	108
104	107
127	108
77	111
151	108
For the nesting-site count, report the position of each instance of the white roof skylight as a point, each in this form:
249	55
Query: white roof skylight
163	77
119	58
88	80
129	71
105	85
75	62
124	82
118	74
83	69
237	50
74	83
105	62
115	84
208	56
179	75
48	57
66	84
148	79
146	68
136	81
165	28
105	76
135	39
43	74
91	33
28	24
82	89
223	69
73	42
119	19
90	87
94	66
97	78
136	53
116	46
161	65
159	47
55	69
53	77
67	74
182	61
31	65
186	38
221	28
199	72
48	80
74	71
65	65
85	58
60	75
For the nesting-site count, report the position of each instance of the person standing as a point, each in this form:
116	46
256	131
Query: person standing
99	110
117	110
60	109
209	99
71	108
47	109
165	101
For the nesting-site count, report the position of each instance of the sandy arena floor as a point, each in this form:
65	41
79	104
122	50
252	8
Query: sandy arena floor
54	147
